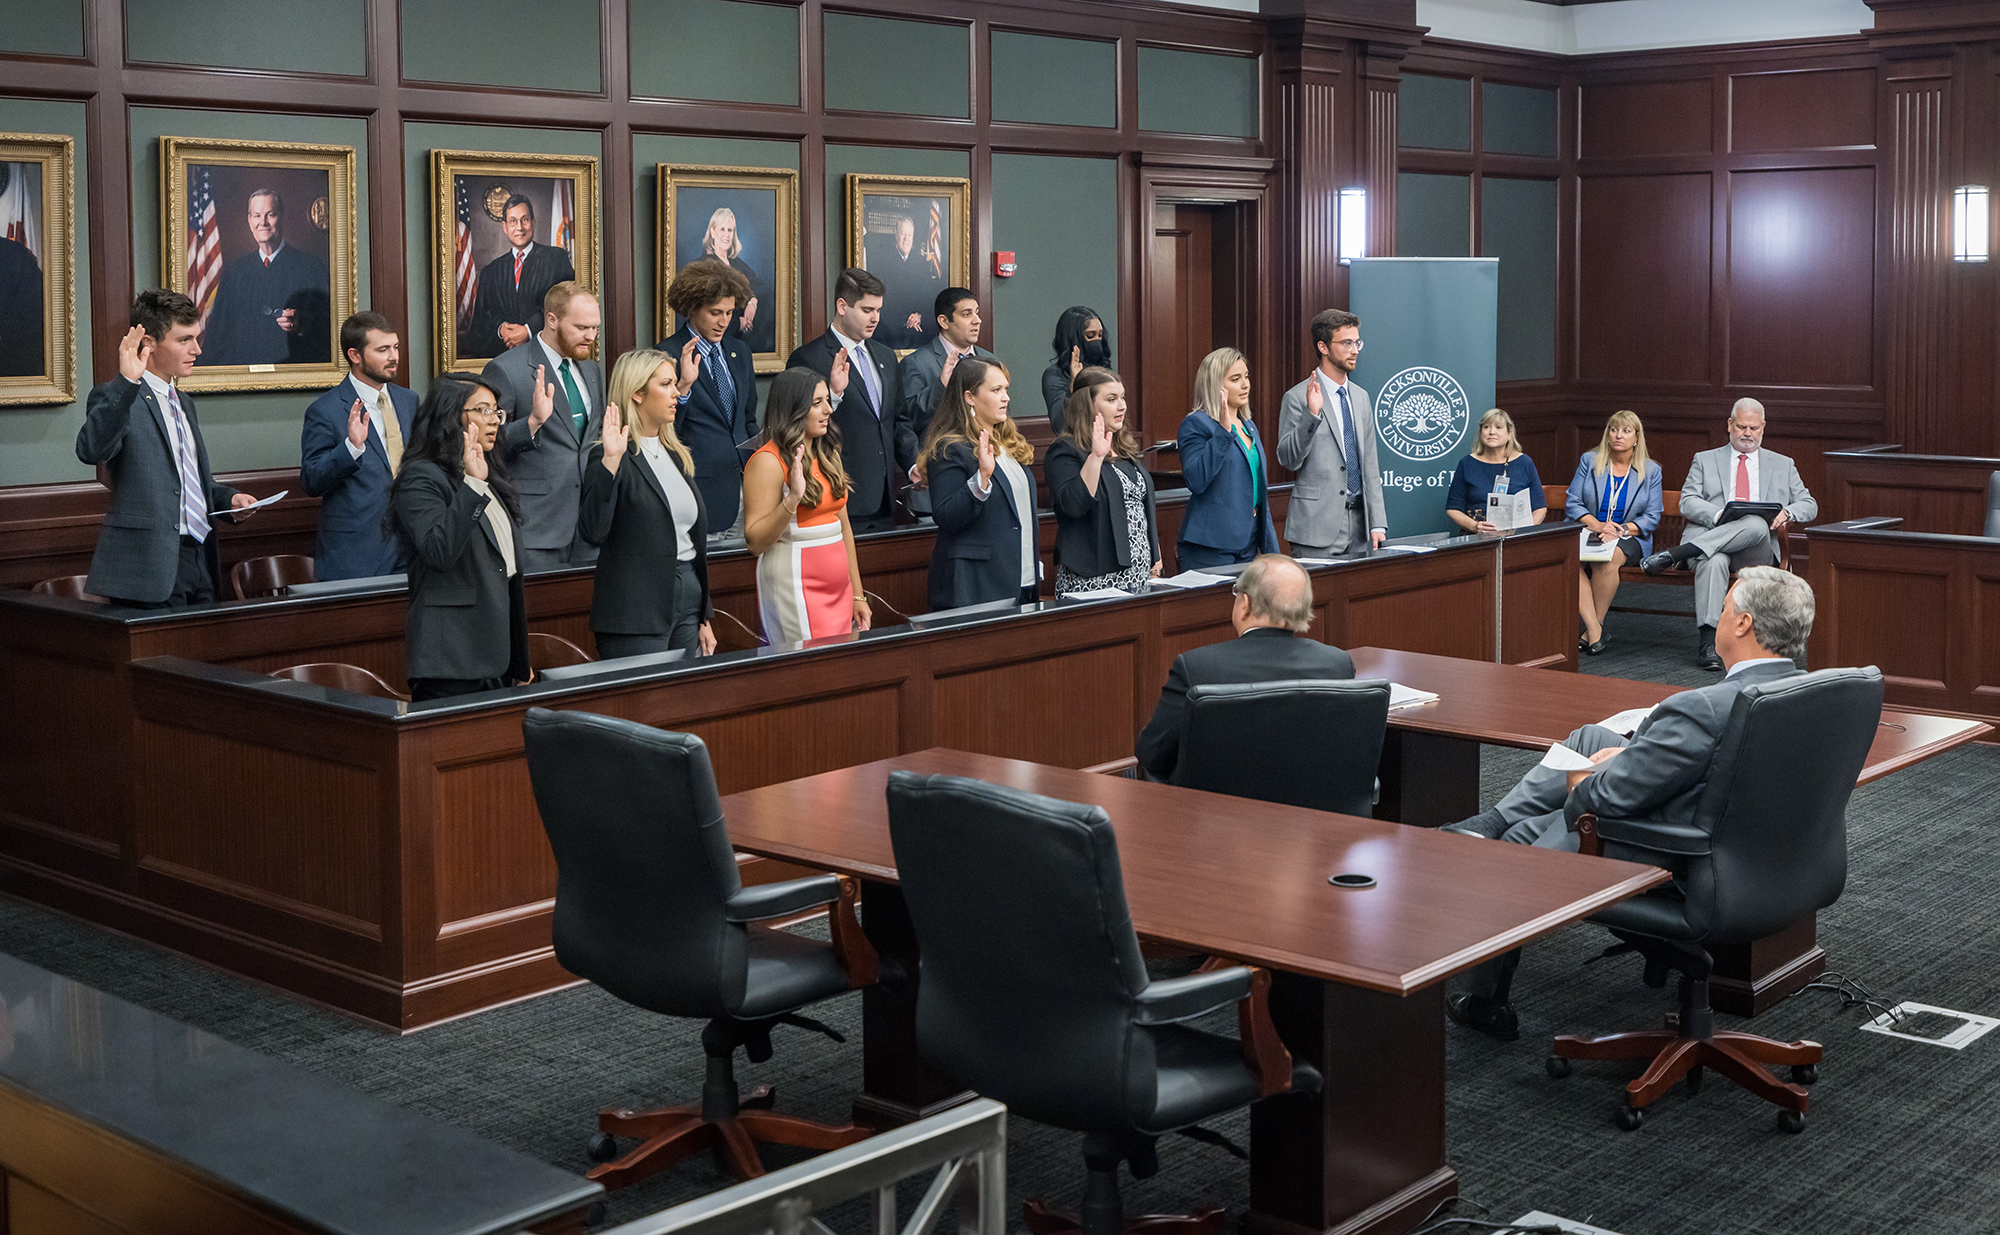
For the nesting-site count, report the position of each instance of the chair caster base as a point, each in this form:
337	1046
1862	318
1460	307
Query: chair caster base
603	1147
1793	1122
1630	1118
1040	1219
670	1134
1804	1074
1559	1068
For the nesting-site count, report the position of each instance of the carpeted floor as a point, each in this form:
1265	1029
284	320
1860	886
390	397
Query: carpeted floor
1901	1136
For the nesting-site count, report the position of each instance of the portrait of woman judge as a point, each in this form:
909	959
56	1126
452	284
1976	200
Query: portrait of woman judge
746	218
742	238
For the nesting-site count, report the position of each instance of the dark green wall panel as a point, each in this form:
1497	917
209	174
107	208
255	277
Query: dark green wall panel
1434	113
533	44
38	444
1517	119
324	36
1517	224
1197	92
255	428
1433	215
1060	217
1041	80
43	28
715	49
915	67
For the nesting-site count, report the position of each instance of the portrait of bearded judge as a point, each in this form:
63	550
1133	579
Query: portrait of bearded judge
272	305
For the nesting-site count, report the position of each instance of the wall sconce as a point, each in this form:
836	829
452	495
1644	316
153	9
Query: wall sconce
1969	223
1353	224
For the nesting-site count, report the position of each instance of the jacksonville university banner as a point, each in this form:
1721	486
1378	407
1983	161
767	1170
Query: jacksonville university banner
1428	326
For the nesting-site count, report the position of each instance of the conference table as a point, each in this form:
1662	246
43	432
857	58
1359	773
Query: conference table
1430	772
1358	974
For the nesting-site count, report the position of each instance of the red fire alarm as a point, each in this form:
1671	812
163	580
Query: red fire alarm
1004	265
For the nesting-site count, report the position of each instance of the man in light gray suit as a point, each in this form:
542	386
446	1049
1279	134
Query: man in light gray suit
1324	424
1654	781
546	441
1730	473
926	370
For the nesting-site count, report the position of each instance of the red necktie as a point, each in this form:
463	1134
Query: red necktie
518	259
1742	477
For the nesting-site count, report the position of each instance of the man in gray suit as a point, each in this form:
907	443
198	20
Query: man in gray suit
1653	781
157	548
552	394
926	370
1732	473
1324	425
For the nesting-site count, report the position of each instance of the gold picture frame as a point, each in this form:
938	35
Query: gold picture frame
493	183
271	316
876	205
691	197
38	259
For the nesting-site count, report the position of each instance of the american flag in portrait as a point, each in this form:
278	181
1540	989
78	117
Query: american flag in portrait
467	279
204	250
934	246
562	226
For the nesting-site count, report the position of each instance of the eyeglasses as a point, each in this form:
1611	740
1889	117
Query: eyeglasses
1346	344
487	413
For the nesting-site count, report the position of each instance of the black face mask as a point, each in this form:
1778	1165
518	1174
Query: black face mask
1096	353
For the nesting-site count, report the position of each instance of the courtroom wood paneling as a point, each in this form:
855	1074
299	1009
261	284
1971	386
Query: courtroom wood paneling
1928	493
1433	615
1537	604
1811	109
1802	277
1644	240
489	856
1001	706
1886	597
1630	119
1918	338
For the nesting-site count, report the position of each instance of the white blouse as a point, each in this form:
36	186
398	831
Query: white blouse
680	496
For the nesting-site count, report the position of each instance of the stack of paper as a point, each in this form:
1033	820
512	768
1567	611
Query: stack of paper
1628	721
1097	593
1191	578
1563	759
1407	549
1401	696
1593	551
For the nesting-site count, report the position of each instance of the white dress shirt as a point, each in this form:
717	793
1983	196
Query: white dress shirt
497	519
1741	665
857	356
160	391
680	498
371	399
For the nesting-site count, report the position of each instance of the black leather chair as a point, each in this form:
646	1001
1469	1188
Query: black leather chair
1031	989
1314	744
1993	505
649	907
1768	846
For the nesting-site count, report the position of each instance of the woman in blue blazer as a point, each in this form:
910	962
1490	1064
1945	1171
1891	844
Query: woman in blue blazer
714	416
1616	494
1229	503
977	465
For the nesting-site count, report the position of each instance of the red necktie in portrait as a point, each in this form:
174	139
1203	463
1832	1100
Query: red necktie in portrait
518	259
1742	477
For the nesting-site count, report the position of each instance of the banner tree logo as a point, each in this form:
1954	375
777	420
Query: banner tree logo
1422	413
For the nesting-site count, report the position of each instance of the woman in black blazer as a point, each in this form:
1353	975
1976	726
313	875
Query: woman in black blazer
1107	527
641	508
457	511
982	493
1081	341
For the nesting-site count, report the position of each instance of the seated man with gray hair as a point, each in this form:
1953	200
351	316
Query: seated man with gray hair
1271	610
1655	778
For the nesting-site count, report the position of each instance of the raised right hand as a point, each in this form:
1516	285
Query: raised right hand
987	459
1075	362
837	374
545	401
616	438
357	425
134	350
1100	438
475	455
1315	399
795	479
690	366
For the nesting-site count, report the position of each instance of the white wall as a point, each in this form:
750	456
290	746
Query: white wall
1630	25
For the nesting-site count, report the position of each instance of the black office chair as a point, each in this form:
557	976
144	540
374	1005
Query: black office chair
1993	505
649	907
1315	744
1032	991
1767	847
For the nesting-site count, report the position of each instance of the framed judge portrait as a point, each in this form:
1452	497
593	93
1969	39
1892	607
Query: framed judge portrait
260	235
507	228
915	234
37	269
747	217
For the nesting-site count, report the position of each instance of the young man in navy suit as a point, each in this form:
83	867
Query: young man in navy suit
350	449
718	381
878	441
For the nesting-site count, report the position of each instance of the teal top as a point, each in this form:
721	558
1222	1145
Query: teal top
1251	453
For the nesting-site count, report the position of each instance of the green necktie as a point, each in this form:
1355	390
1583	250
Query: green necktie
579	415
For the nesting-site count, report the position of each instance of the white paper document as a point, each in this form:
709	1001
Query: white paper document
1319	561
1508	511
1563	759
1407	549
1191	578
252	506
1592	551
1097	593
1401	696
1628	721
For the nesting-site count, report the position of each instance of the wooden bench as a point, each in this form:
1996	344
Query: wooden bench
1672	527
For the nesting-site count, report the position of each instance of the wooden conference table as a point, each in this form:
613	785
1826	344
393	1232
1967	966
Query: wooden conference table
1358	975
1430	772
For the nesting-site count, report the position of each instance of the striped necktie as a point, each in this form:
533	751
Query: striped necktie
725	382
194	506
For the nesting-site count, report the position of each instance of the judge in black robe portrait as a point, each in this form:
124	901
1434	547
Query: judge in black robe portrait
21	320
270	299
512	285
913	282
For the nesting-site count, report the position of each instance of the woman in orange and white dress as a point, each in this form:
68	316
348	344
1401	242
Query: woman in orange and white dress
795	517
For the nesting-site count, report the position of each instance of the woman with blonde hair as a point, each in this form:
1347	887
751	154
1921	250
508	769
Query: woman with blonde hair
987	544
795	517
1228	516
1616	495
1107	524
1496	465
722	242
642	509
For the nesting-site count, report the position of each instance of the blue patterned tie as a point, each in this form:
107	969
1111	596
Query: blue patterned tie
1350	445
723	381
194	509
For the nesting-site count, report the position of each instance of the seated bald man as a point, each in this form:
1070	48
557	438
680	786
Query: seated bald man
1272	608
1657	777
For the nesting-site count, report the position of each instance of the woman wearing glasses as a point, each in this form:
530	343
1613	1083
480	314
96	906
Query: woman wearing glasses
460	517
1324	424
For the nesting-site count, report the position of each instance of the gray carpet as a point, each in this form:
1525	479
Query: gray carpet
1901	1135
